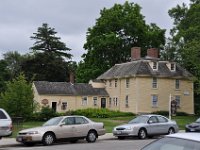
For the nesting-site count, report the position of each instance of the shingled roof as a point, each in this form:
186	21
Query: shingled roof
142	68
65	88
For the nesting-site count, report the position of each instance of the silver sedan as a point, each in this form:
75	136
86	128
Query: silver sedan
145	126
64	127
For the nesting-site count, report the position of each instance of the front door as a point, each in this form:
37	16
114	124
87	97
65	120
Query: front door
54	106
103	102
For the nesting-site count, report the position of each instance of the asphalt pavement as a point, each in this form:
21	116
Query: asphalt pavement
11	142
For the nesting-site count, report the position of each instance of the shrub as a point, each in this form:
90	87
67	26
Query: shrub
99	113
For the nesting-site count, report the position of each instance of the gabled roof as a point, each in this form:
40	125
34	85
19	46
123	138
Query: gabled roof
142	68
65	88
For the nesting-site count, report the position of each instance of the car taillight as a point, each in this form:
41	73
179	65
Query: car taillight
11	126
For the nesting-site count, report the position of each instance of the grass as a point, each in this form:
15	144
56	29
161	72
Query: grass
109	123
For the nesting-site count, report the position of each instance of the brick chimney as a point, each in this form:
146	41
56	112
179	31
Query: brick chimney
135	53
153	53
71	77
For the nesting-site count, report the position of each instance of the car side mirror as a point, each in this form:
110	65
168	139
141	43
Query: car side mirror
62	124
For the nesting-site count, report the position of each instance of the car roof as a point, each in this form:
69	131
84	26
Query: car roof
187	136
149	115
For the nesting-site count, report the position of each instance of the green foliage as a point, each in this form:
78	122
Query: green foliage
186	40
46	41
45	114
109	42
17	99
166	113
44	67
100	113
4	75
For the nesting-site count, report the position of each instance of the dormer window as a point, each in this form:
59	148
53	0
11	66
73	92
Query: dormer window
172	67
155	65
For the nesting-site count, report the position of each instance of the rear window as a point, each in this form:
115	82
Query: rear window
2	115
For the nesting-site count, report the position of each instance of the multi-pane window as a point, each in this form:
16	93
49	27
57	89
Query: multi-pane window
155	65
177	83
95	101
172	67
127	82
110	83
110	102
115	82
154	83
115	101
126	101
178	100
64	106
84	101
154	100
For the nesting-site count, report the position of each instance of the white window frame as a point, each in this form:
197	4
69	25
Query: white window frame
155	66
84	100
172	67
177	84
95	99
115	101
64	106
127	101
154	83
127	83
178	100
116	81
154	100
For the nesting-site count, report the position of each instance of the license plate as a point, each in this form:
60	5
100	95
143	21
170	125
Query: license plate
192	130
19	139
119	132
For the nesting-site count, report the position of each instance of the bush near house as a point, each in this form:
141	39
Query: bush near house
100	113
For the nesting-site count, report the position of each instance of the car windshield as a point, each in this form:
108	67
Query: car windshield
173	144
139	119
53	121
198	120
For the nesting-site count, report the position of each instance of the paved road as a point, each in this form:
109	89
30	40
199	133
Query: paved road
112	144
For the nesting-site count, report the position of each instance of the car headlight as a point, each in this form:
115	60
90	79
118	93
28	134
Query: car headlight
129	128
33	132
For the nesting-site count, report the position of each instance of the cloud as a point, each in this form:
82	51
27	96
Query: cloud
19	19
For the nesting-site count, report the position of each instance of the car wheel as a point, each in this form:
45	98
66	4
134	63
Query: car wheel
91	137
121	137
142	134
48	139
171	131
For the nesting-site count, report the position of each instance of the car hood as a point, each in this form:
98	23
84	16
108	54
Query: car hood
129	125
194	124
42	129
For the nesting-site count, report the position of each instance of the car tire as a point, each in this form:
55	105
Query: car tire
48	139
142	134
171	131
91	137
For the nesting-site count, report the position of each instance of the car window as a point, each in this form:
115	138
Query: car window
153	119
53	121
198	120
80	120
2	115
173	144
69	121
162	119
139	119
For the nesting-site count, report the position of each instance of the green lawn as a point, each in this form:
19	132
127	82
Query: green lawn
109	123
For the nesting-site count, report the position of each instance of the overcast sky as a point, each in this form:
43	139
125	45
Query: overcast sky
19	19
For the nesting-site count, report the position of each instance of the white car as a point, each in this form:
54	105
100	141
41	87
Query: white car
5	124
145	126
178	141
63	127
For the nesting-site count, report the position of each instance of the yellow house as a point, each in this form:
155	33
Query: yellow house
146	85
63	96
